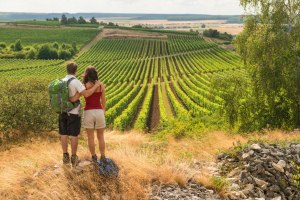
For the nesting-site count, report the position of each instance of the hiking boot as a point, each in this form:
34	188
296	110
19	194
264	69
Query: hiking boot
74	160
94	158
103	159
66	158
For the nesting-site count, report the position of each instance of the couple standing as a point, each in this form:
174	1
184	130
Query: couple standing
93	117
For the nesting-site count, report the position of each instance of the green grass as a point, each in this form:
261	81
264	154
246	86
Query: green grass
84	25
29	36
40	23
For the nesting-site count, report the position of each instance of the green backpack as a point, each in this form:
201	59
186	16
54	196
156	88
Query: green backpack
59	96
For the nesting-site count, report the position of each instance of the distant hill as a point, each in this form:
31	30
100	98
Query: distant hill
12	16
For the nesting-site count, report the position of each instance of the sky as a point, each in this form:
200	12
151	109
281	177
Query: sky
220	7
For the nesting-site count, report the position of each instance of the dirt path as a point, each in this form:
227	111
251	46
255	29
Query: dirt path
155	114
94	41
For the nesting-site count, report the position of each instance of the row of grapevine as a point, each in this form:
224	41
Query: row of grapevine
125	119
182	66
143	116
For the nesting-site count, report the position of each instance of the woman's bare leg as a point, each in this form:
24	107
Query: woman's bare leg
91	141
100	136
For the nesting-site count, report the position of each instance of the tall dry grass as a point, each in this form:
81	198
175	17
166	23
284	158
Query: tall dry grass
34	170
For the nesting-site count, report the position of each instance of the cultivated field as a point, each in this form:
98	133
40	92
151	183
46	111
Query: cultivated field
220	25
150	77
31	36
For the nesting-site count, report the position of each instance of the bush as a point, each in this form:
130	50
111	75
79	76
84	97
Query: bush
18	45
47	52
65	54
2	45
55	45
31	54
25	107
20	55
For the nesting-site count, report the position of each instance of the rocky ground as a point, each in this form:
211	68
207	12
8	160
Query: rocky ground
262	171
190	191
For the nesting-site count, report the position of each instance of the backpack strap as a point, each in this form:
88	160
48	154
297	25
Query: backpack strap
76	103
69	81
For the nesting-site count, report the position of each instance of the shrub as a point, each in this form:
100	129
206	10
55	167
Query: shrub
55	45
219	183
46	52
18	45
2	45
64	54
25	107
31	54
20	55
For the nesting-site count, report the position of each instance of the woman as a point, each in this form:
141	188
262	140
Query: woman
93	116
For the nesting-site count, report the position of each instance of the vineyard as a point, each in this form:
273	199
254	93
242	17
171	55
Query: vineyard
31	36
148	81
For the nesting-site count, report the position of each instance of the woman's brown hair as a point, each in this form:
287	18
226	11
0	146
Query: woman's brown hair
90	75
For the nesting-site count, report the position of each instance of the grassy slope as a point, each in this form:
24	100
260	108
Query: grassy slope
142	160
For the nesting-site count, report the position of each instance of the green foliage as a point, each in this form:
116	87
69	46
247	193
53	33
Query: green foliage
18	45
47	52
55	45
233	91
219	183
216	34
124	120
31	54
182	128
270	46
43	51
81	20
24	107
2	45
31	36
64	54
39	23
296	176
93	21
63	19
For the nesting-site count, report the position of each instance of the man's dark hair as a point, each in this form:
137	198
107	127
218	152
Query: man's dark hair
71	68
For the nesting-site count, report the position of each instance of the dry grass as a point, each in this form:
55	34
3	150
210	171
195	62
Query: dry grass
142	162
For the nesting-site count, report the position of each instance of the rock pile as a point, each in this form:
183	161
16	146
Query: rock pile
192	191
262	171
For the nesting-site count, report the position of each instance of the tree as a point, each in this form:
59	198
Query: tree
18	45
81	20
270	48
211	33
137	26
93	20
72	20
55	45
64	20
64	54
31	54
111	24
46	52
74	46
203	26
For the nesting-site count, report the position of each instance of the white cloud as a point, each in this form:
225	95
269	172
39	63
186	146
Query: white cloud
124	6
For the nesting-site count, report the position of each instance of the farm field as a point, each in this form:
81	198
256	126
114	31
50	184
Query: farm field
30	36
149	80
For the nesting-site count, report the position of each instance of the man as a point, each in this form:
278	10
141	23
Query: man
70	123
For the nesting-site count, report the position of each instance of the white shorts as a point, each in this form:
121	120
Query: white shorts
93	119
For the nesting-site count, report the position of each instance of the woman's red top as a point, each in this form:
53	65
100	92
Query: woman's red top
93	101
